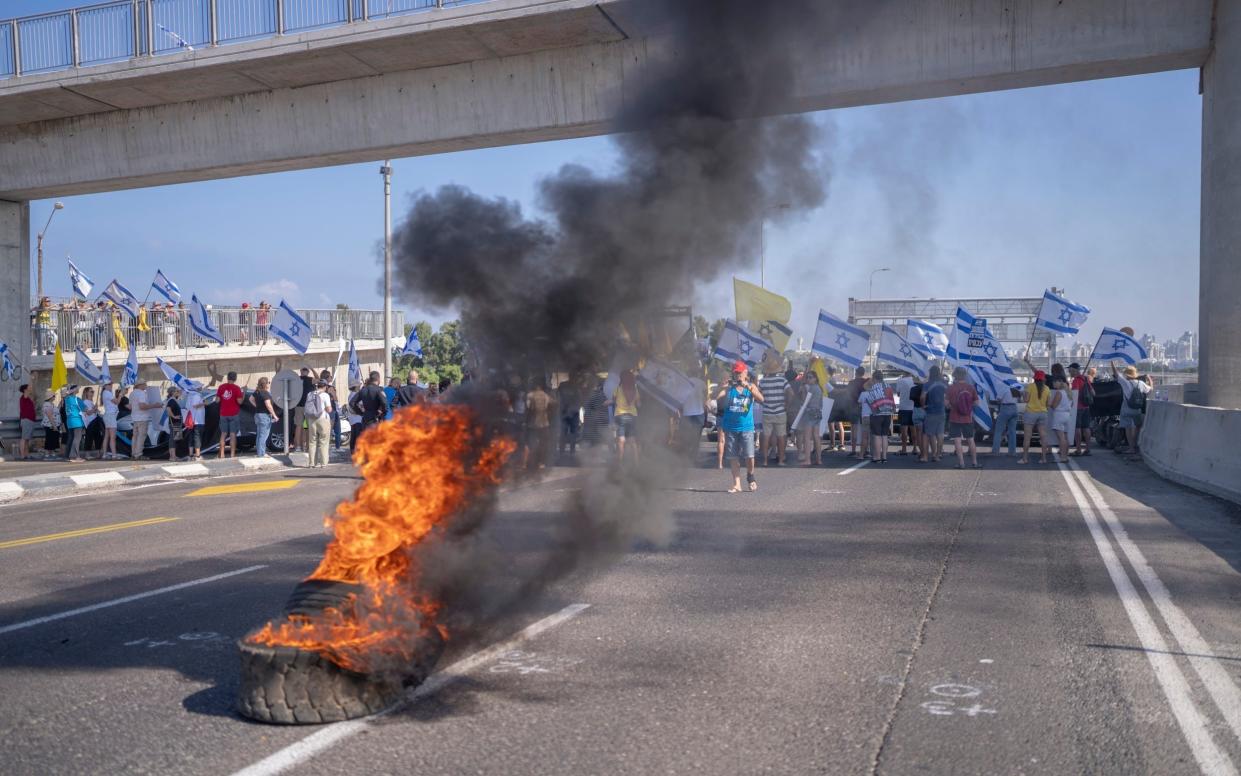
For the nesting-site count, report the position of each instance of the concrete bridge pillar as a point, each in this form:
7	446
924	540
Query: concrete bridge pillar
14	293
1219	297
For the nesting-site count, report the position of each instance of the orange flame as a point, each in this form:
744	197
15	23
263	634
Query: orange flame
419	470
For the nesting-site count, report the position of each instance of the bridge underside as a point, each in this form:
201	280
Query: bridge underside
517	71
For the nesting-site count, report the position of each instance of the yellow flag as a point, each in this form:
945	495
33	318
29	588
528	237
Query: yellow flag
767	313
820	371
60	377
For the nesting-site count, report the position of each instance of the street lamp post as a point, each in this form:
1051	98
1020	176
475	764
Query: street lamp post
55	207
762	242
386	171
870	293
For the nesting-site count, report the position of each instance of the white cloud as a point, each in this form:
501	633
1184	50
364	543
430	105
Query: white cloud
271	292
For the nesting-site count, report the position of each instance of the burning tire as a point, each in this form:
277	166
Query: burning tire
292	686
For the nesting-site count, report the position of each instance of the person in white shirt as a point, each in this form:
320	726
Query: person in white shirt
905	412
692	416
109	401
1005	422
318	414
140	406
193	402
1132	407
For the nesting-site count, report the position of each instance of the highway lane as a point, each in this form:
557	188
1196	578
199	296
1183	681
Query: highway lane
890	619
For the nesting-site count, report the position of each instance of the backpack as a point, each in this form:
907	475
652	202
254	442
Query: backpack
1136	400
1086	395
319	400
963	403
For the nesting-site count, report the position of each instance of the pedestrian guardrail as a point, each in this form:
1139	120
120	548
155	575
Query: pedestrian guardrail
127	29
166	327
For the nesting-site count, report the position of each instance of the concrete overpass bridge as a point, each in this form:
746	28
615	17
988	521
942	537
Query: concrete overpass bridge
502	72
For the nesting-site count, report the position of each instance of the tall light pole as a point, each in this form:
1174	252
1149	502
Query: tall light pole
386	171
870	293
762	242
55	207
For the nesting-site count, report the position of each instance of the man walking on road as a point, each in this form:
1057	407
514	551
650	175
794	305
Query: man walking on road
318	413
229	395
736	404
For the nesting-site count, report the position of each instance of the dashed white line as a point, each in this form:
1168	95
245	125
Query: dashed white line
127	599
296	754
1210	758
1217	681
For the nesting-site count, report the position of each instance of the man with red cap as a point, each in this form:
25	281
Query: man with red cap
736	403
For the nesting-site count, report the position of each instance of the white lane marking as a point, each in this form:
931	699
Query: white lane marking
127	599
187	469
1217	681
308	747
1211	759
853	468
96	478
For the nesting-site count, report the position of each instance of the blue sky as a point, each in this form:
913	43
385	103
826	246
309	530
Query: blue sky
1093	187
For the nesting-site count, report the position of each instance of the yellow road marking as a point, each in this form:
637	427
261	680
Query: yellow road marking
86	532
245	487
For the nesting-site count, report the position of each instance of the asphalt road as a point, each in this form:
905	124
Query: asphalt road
891	619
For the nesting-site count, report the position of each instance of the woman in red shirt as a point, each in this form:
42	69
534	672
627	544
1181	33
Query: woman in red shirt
29	419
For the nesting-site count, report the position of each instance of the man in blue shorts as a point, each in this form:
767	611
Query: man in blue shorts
736	402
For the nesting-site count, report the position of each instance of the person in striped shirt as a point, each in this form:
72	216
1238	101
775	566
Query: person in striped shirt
776	396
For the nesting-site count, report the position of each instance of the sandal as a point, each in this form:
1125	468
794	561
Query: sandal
753	482
735	489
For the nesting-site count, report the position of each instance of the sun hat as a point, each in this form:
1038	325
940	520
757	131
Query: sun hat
1131	371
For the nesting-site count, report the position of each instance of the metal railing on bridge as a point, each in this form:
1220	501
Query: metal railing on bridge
97	329
126	29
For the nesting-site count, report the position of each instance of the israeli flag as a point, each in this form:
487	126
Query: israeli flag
1060	315
1115	345
666	384
7	360
982	414
972	345
355	368
86	369
166	287
287	325
200	321
176	378
412	346
900	353
927	338
839	340
122	297
130	375
81	284
105	374
740	344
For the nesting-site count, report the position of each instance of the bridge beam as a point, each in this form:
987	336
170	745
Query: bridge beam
1219	308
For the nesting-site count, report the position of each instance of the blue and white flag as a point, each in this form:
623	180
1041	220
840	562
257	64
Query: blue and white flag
972	345
290	327
122	297
176	378
130	375
355	368
105	374
412	346
86	369
166	287
740	344
928	338
666	384
200	321
900	353
982	414
81	284
1060	315
1115	345
6	361
839	340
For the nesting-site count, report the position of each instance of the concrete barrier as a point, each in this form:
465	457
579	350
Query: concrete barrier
1195	446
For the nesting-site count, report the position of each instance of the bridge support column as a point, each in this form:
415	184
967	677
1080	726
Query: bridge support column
14	293
1219	297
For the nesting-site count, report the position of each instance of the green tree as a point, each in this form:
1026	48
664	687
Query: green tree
443	353
701	327
717	329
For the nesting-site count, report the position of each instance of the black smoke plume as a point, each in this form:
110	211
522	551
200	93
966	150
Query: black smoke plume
705	152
